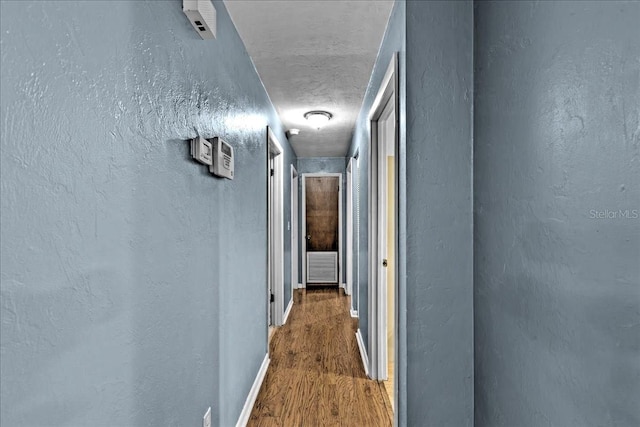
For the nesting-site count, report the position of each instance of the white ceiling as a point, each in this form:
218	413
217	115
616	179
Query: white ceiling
314	55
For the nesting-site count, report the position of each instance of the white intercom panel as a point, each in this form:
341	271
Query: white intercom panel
202	150
222	159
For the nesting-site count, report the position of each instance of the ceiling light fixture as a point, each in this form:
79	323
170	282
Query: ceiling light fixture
317	119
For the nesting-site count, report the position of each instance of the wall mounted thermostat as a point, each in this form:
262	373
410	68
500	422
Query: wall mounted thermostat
222	159
202	150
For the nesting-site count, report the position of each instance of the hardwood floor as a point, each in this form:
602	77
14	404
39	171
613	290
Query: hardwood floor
316	376
388	384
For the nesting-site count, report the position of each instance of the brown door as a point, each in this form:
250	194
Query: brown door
321	198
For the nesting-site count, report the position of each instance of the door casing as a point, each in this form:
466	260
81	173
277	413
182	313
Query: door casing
377	294
348	289
304	224
295	240
275	257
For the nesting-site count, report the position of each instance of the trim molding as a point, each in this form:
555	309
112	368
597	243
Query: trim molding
287	311
354	313
363	352
253	393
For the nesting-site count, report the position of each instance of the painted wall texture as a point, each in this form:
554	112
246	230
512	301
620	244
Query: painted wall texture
126	297
439	213
557	142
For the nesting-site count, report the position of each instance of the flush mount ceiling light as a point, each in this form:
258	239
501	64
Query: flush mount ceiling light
317	119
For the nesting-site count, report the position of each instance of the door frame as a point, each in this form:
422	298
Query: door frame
348	289
295	261
377	295
275	257
304	224
355	173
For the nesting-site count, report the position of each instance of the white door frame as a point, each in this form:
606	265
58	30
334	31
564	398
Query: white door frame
349	253
276	234
294	230
377	300
355	172
304	223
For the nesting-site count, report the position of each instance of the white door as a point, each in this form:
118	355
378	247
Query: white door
294	229
349	269
271	233
382	229
386	182
275	276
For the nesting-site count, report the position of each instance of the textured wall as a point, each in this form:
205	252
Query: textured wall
557	141
394	41
125	294
439	218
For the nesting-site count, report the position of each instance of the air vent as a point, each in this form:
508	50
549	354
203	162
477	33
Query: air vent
202	15
322	267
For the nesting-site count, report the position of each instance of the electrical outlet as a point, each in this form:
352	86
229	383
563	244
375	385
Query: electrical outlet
206	420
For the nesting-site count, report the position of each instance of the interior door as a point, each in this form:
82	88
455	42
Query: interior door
322	228
271	232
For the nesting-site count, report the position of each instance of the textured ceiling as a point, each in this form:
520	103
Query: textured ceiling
314	55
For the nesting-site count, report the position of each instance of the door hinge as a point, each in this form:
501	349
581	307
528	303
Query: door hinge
272	298
272	172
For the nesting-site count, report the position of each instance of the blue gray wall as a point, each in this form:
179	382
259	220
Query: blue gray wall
557	144
126	297
439	213
435	257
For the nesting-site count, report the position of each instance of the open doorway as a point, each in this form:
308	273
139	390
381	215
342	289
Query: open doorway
275	276
353	233
383	236
294	237
322	228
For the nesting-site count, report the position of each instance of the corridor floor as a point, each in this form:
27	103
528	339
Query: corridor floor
316	377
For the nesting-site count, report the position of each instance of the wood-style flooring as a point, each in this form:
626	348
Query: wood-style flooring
316	377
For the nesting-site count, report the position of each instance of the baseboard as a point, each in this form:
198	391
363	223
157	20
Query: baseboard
287	311
253	393
354	313
300	286
363	352
346	290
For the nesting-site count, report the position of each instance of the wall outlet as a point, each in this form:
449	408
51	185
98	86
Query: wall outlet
206	420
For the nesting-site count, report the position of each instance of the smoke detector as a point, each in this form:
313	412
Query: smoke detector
202	15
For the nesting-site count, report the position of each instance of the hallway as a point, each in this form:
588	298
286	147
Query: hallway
316	375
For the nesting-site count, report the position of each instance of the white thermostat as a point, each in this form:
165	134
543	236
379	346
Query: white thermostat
202	150
222	159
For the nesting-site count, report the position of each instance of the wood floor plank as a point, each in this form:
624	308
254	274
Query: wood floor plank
315	377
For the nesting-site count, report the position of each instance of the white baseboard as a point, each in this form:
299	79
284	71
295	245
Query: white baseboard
287	311
253	393
300	286
354	313
343	285
363	352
